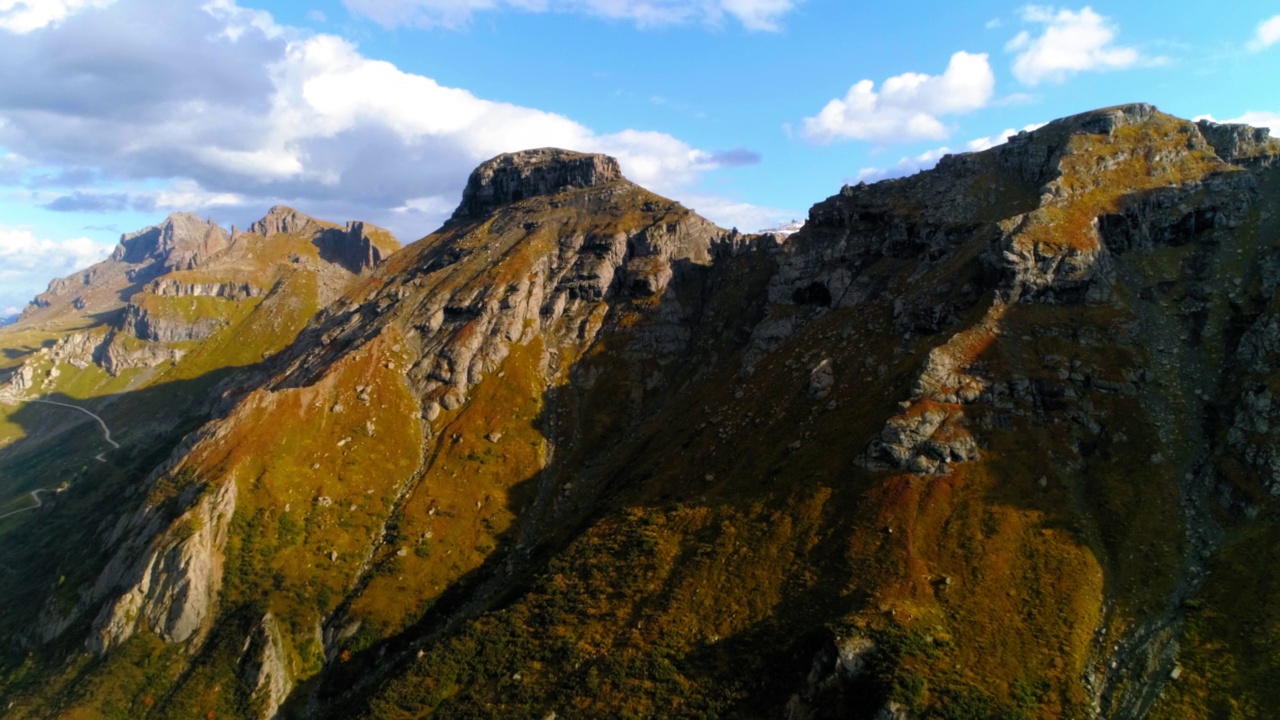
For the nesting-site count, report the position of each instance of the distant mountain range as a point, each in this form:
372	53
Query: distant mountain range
997	440
785	229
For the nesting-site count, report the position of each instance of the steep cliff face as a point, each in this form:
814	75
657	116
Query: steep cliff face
164	579
511	178
966	445
550	268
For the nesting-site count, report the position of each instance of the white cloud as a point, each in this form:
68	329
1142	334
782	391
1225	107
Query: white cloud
908	106
1071	42
229	111
929	158
237	20
761	15
24	16
758	14
27	262
22	250
1261	119
185	194
904	167
1255	118
986	143
1267	34
325	90
731	214
12	166
426	205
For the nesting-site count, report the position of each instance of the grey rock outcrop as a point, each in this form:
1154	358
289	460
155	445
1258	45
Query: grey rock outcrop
926	442
19	382
80	350
281	220
362	253
469	333
465	331
1255	432
836	667
354	247
515	176
149	327
821	380
67	291
172	287
1236	143
1107	120
72	284
1174	217
1035	272
265	668
121	352
183	241
166	576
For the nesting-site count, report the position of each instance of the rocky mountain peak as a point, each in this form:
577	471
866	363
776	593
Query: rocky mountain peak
1014	415
183	240
1104	121
358	247
281	220
514	176
1235	142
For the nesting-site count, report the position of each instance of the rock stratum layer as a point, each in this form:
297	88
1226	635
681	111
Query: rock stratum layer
995	440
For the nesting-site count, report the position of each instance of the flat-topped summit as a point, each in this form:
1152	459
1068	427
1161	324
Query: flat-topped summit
515	176
1105	120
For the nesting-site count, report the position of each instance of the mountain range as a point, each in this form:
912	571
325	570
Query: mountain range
997	440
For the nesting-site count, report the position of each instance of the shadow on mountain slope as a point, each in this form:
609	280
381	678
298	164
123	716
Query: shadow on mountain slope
50	551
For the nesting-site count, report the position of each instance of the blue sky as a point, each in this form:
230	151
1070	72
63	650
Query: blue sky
114	113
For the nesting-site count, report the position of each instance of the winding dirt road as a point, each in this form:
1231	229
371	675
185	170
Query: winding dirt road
106	431
35	495
106	434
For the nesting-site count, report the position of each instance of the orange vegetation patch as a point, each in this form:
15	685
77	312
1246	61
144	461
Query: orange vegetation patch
1098	172
481	476
1010	599
318	469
